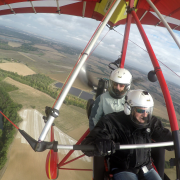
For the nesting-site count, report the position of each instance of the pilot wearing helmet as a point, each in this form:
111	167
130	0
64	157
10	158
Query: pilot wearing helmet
113	100
134	125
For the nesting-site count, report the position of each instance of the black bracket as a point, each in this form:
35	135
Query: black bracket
130	9
110	27
84	53
39	146
172	162
157	69
50	112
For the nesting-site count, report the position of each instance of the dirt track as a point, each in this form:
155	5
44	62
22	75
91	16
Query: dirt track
24	163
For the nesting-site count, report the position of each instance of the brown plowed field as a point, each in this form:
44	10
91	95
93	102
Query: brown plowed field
18	68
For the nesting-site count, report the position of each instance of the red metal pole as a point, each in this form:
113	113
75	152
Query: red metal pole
126	34
167	97
162	82
75	169
73	160
52	134
71	151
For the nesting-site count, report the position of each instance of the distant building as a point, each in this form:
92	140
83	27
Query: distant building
1	120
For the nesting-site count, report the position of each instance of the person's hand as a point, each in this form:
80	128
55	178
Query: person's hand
105	147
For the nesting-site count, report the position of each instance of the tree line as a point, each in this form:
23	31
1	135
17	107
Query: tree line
10	109
25	47
42	83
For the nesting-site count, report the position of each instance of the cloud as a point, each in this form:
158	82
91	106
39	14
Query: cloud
78	31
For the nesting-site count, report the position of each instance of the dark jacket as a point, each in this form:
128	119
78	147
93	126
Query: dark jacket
119	128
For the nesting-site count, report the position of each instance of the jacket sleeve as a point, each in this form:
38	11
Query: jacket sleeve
100	131
96	111
161	134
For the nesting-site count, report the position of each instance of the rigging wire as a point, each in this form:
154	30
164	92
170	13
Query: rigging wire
147	52
9	120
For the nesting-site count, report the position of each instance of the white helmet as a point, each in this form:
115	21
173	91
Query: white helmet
121	76
139	105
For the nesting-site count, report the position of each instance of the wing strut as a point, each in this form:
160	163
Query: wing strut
76	70
143	15
169	15
176	26
58	9
11	9
33	7
84	8
164	22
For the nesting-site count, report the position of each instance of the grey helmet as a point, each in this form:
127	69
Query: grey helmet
119	76
139	105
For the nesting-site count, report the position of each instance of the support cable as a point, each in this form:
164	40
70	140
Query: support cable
164	22
9	120
147	52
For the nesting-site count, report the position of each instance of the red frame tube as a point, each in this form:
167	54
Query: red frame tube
162	82
126	35
76	169
73	160
71	151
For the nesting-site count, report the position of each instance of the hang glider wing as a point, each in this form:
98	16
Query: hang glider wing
96	9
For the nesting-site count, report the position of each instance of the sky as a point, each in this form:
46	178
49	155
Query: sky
77	31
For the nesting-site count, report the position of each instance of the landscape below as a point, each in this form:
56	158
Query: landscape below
29	69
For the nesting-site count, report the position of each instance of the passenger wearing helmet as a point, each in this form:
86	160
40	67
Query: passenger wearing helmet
113	100
134	125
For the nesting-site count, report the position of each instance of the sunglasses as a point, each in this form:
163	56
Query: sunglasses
121	85
141	111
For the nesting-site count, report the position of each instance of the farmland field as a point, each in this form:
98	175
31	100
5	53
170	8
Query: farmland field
20	152
24	163
56	61
18	68
14	44
73	127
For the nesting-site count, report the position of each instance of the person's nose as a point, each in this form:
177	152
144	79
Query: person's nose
145	114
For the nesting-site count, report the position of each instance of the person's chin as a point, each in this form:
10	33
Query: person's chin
141	121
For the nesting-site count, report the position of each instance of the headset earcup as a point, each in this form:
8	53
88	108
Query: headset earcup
127	109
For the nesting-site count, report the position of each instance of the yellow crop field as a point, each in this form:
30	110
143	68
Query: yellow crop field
14	44
18	68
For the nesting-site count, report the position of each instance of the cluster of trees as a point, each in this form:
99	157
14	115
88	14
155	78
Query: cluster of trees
8	87
25	47
38	81
10	109
15	34
167	165
68	50
42	83
9	59
72	100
